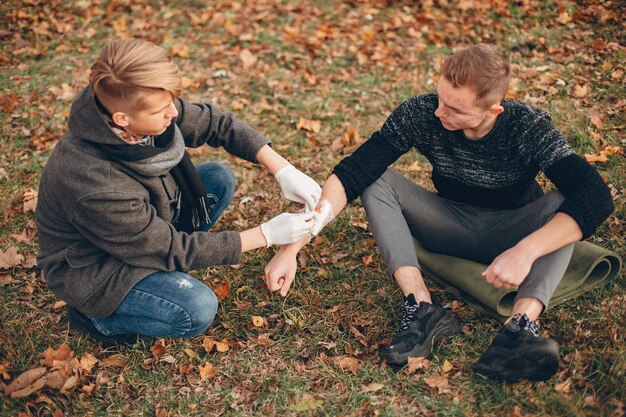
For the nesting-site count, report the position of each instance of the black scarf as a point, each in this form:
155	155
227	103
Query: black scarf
192	189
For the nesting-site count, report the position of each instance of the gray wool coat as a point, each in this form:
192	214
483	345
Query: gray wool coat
103	227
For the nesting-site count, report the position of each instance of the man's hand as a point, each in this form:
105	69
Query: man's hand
287	228
281	271
510	268
299	187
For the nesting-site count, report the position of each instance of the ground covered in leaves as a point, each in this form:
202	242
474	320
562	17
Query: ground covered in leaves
317	78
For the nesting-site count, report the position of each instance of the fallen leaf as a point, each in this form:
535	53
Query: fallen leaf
87	362
310	125
88	389
264	340
192	354
294	320
417	363
247	59
10	258
4	373
70	384
440	382
447	366
207	371
25	379
613	150
64	93
113	361
29	200
56	379
29	262
186	82
28	390
52	356
21	237
306	405
181	50
564	18
209	344
604	154
158	349
597	121
6	279
596	158
258	321
160	411
222	290
58	305
167	358
345	363
415	166
564	387
581	91
373	387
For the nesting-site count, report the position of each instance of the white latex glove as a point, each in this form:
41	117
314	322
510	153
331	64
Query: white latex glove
299	187
324	216
287	228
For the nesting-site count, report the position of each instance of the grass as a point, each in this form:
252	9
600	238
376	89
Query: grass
346	64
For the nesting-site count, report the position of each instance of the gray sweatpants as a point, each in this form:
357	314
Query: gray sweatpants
398	209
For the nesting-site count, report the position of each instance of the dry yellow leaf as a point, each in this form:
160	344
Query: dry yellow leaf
10	258
346	363
581	91
417	363
208	344
247	59
258	321
207	371
310	125
113	361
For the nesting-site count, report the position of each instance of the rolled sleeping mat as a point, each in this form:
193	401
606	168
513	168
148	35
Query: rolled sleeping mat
590	267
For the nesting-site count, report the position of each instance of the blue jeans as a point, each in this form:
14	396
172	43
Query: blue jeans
174	304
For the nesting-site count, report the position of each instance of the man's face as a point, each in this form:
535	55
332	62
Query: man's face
156	115
457	109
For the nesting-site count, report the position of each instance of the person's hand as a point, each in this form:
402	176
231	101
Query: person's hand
281	271
287	228
299	187
324	214
510	268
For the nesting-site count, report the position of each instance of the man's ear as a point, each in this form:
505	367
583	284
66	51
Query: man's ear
120	119
495	110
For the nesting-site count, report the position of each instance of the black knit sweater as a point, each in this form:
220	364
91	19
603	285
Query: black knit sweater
497	171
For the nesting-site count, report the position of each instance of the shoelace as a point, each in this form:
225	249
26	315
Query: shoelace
522	320
409	315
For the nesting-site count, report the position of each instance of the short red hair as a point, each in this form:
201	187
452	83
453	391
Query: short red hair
483	70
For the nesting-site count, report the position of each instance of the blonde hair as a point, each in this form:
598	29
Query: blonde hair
482	69
128	69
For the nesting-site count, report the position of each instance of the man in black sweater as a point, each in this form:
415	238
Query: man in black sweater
486	152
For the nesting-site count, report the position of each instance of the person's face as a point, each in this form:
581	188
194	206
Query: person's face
156	115
457	109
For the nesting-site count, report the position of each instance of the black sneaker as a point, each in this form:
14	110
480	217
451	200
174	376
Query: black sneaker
422	325
81	322
518	352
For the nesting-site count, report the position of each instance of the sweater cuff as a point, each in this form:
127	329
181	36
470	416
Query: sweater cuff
350	183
